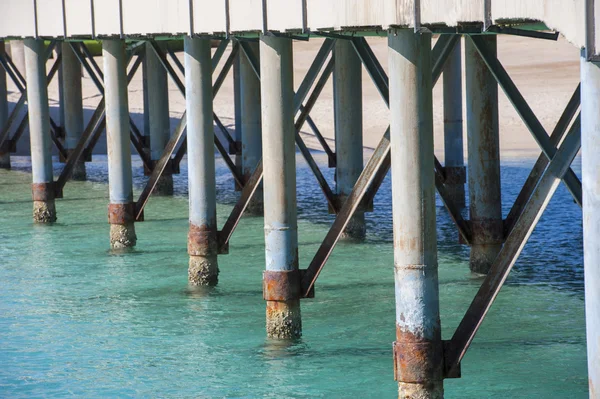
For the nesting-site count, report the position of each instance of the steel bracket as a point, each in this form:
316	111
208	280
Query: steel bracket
283	285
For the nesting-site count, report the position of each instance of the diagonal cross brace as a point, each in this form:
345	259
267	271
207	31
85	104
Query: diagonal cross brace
256	177
507	257
93	129
376	168
537	171
8	65
526	113
179	137
98	77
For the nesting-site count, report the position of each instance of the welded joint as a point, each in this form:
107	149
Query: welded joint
170	169
332	160
44	192
366	204
421	362
123	214
485	231
235	148
454	175
284	285
222	243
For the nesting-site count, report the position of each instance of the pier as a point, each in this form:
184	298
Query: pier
195	46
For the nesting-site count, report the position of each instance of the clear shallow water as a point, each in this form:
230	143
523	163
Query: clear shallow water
77	320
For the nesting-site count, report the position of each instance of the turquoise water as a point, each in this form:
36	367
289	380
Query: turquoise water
78	320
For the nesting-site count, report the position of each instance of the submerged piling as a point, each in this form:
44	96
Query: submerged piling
73	106
281	280
158	116
250	126
5	149
348	120
418	347
202	238
454	163
44	210
590	148
120	181
485	206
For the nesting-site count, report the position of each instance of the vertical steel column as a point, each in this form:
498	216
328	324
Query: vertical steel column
44	210
237	112
146	131
121	207
202	237
453	129
158	116
281	280
73	106
484	159
5	149
418	358
250	126
590	148
347	105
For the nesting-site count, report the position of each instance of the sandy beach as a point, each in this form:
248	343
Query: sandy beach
546	72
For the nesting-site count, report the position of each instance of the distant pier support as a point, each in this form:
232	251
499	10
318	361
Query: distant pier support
590	144
418	347
347	100
484	159
158	116
454	167
5	149
281	280
120	182
250	126
72	106
44	210
202	237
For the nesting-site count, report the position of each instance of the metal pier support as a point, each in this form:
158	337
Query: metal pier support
5	149
418	351
73	106
454	167
347	100
484	159
237	110
44	210
281	280
202	237
590	143
121	207
250	126
158	116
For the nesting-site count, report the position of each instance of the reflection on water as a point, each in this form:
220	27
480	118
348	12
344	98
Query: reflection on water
78	319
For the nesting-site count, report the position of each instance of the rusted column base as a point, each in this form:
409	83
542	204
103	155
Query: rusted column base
407	390
79	173
122	235
44	211
483	256
356	229
5	161
283	319
164	185
203	267
203	270
256	206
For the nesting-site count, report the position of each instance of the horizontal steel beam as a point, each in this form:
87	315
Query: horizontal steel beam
491	286
526	113
538	169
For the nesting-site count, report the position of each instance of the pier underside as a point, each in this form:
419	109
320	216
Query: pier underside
256	40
